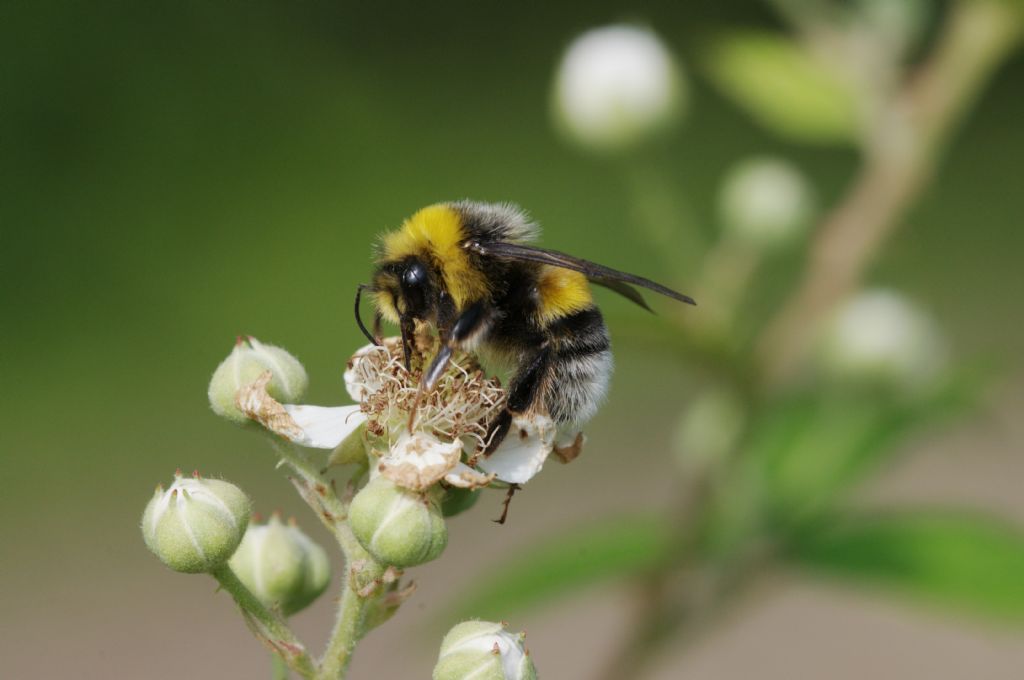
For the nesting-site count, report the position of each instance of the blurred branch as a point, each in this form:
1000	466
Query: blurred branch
900	147
900	153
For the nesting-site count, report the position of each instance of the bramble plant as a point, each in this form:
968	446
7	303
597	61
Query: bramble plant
412	460
795	407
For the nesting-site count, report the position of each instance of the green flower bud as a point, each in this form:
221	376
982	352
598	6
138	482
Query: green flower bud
456	501
282	566
483	651
248	360
196	524
398	527
765	202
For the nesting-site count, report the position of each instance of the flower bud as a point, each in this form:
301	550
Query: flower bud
282	566
709	429
880	338
457	501
483	651
248	360
615	86
765	202
398	527
196	524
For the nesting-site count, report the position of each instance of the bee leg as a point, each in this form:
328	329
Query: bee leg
525	389
377	335
408	328
469	323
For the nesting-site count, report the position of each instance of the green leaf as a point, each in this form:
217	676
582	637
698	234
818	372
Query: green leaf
812	447
611	549
967	562
783	86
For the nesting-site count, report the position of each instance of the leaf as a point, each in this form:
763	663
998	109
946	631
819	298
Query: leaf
813	446
967	562
783	86
611	549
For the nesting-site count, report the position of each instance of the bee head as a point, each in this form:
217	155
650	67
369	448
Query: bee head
406	290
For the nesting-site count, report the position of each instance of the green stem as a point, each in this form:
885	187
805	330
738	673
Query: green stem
278	668
311	485
364	573
267	626
348	629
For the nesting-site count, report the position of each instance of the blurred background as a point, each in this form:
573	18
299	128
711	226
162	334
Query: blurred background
176	174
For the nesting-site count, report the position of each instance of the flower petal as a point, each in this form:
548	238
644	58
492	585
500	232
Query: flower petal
569	444
523	452
466	477
419	460
360	381
323	427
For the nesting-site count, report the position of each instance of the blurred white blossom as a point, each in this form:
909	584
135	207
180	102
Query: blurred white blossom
766	202
615	86
881	337
709	429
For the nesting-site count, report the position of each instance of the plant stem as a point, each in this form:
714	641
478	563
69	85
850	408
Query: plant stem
266	625
900	151
364	573
349	626
900	154
278	668
312	486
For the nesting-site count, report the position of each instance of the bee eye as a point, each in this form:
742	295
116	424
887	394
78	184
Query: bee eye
414	275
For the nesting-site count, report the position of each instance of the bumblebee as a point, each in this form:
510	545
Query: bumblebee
470	270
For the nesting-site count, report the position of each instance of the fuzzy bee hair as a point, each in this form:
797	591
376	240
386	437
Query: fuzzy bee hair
470	270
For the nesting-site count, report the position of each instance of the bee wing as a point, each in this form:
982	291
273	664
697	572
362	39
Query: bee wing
620	282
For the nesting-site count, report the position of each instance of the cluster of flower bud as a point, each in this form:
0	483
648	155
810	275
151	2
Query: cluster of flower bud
422	450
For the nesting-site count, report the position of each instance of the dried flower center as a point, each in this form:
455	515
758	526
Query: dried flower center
460	406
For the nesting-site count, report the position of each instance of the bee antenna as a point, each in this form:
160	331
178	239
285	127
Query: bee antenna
359	319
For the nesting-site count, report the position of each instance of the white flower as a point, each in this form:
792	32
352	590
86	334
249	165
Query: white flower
766	202
880	337
615	86
418	460
523	452
446	423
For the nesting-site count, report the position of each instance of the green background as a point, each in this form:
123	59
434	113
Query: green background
174	175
